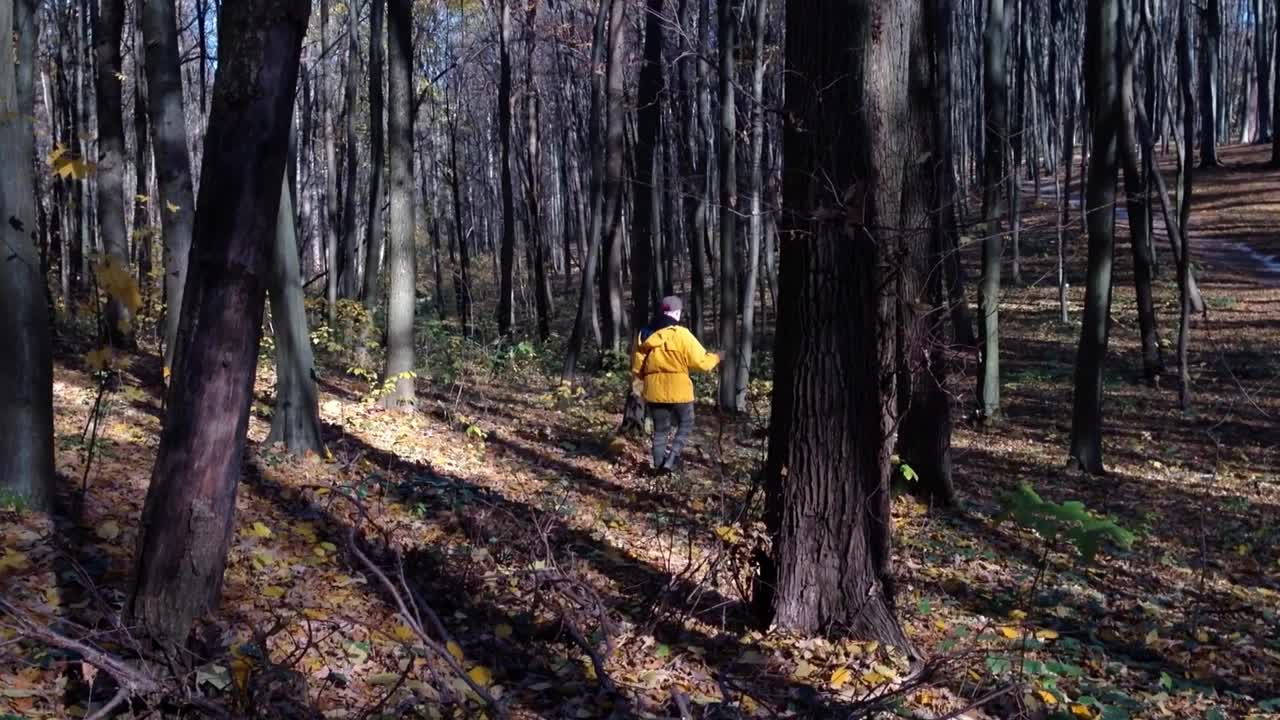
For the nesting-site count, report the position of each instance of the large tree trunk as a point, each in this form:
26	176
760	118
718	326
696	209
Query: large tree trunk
1275	95
1187	291
109	27
924	404
190	509
26	395
506	285
173	161
995	90
727	282
1136	196
373	226
1103	83
847	158
401	252
1209	59
295	419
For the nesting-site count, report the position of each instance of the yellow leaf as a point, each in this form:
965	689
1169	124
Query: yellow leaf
728	533
1008	632
873	678
58	151
1047	697
455	650
502	631
1152	637
403	633
171	207
1017	615
480	675
803	670
1202	636
840	677
108	530
1047	634
12	559
240	668
165	372
260	530
274	592
315	614
1081	711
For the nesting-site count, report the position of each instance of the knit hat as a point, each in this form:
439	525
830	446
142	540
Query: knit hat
671	304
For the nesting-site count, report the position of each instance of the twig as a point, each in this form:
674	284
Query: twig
105	711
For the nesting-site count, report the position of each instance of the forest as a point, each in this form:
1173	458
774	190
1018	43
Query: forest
330	326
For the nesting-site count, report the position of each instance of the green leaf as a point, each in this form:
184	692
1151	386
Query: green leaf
663	650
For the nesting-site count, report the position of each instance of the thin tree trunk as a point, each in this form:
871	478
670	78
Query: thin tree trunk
377	155
1209	61
143	236
295	418
176	203
505	286
534	235
756	231
614	180
349	256
329	217
995	91
728	280
26	395
108	29
1262	42
190	508
1103	81
401	251
1186	290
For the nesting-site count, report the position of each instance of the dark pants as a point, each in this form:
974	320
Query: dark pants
664	414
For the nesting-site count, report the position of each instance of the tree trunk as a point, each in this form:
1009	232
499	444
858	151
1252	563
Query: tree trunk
924	405
26	395
505	286
1103	82
827	473
1209	60
176	203
143	235
329	217
756	232
373	226
349	256
595	231
190	509
1135	186
728	280
534	236
611	228
995	92
401	250
461	273
1275	95
1186	290
295	419
108	29
961	319
1262	42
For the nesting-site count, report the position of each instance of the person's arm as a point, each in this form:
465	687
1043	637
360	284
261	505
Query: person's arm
699	358
637	360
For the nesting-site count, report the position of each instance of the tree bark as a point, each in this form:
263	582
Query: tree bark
349	246
1187	292
143	235
1103	83
1136	196
176	203
295	419
377	156
756	229
850	65
505	286
995	92
190	508
108	29
533	162
728	281
1209	60
1262	42
329	217
611	228
401	251
26	395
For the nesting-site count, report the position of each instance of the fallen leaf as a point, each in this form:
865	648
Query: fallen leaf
481	676
1048	697
1008	632
108	530
274	592
455	650
502	631
840	677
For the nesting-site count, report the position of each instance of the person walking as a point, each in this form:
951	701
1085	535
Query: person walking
665	354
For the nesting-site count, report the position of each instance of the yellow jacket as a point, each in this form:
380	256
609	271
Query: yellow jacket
663	359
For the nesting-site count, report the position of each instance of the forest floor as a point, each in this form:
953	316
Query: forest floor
571	584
